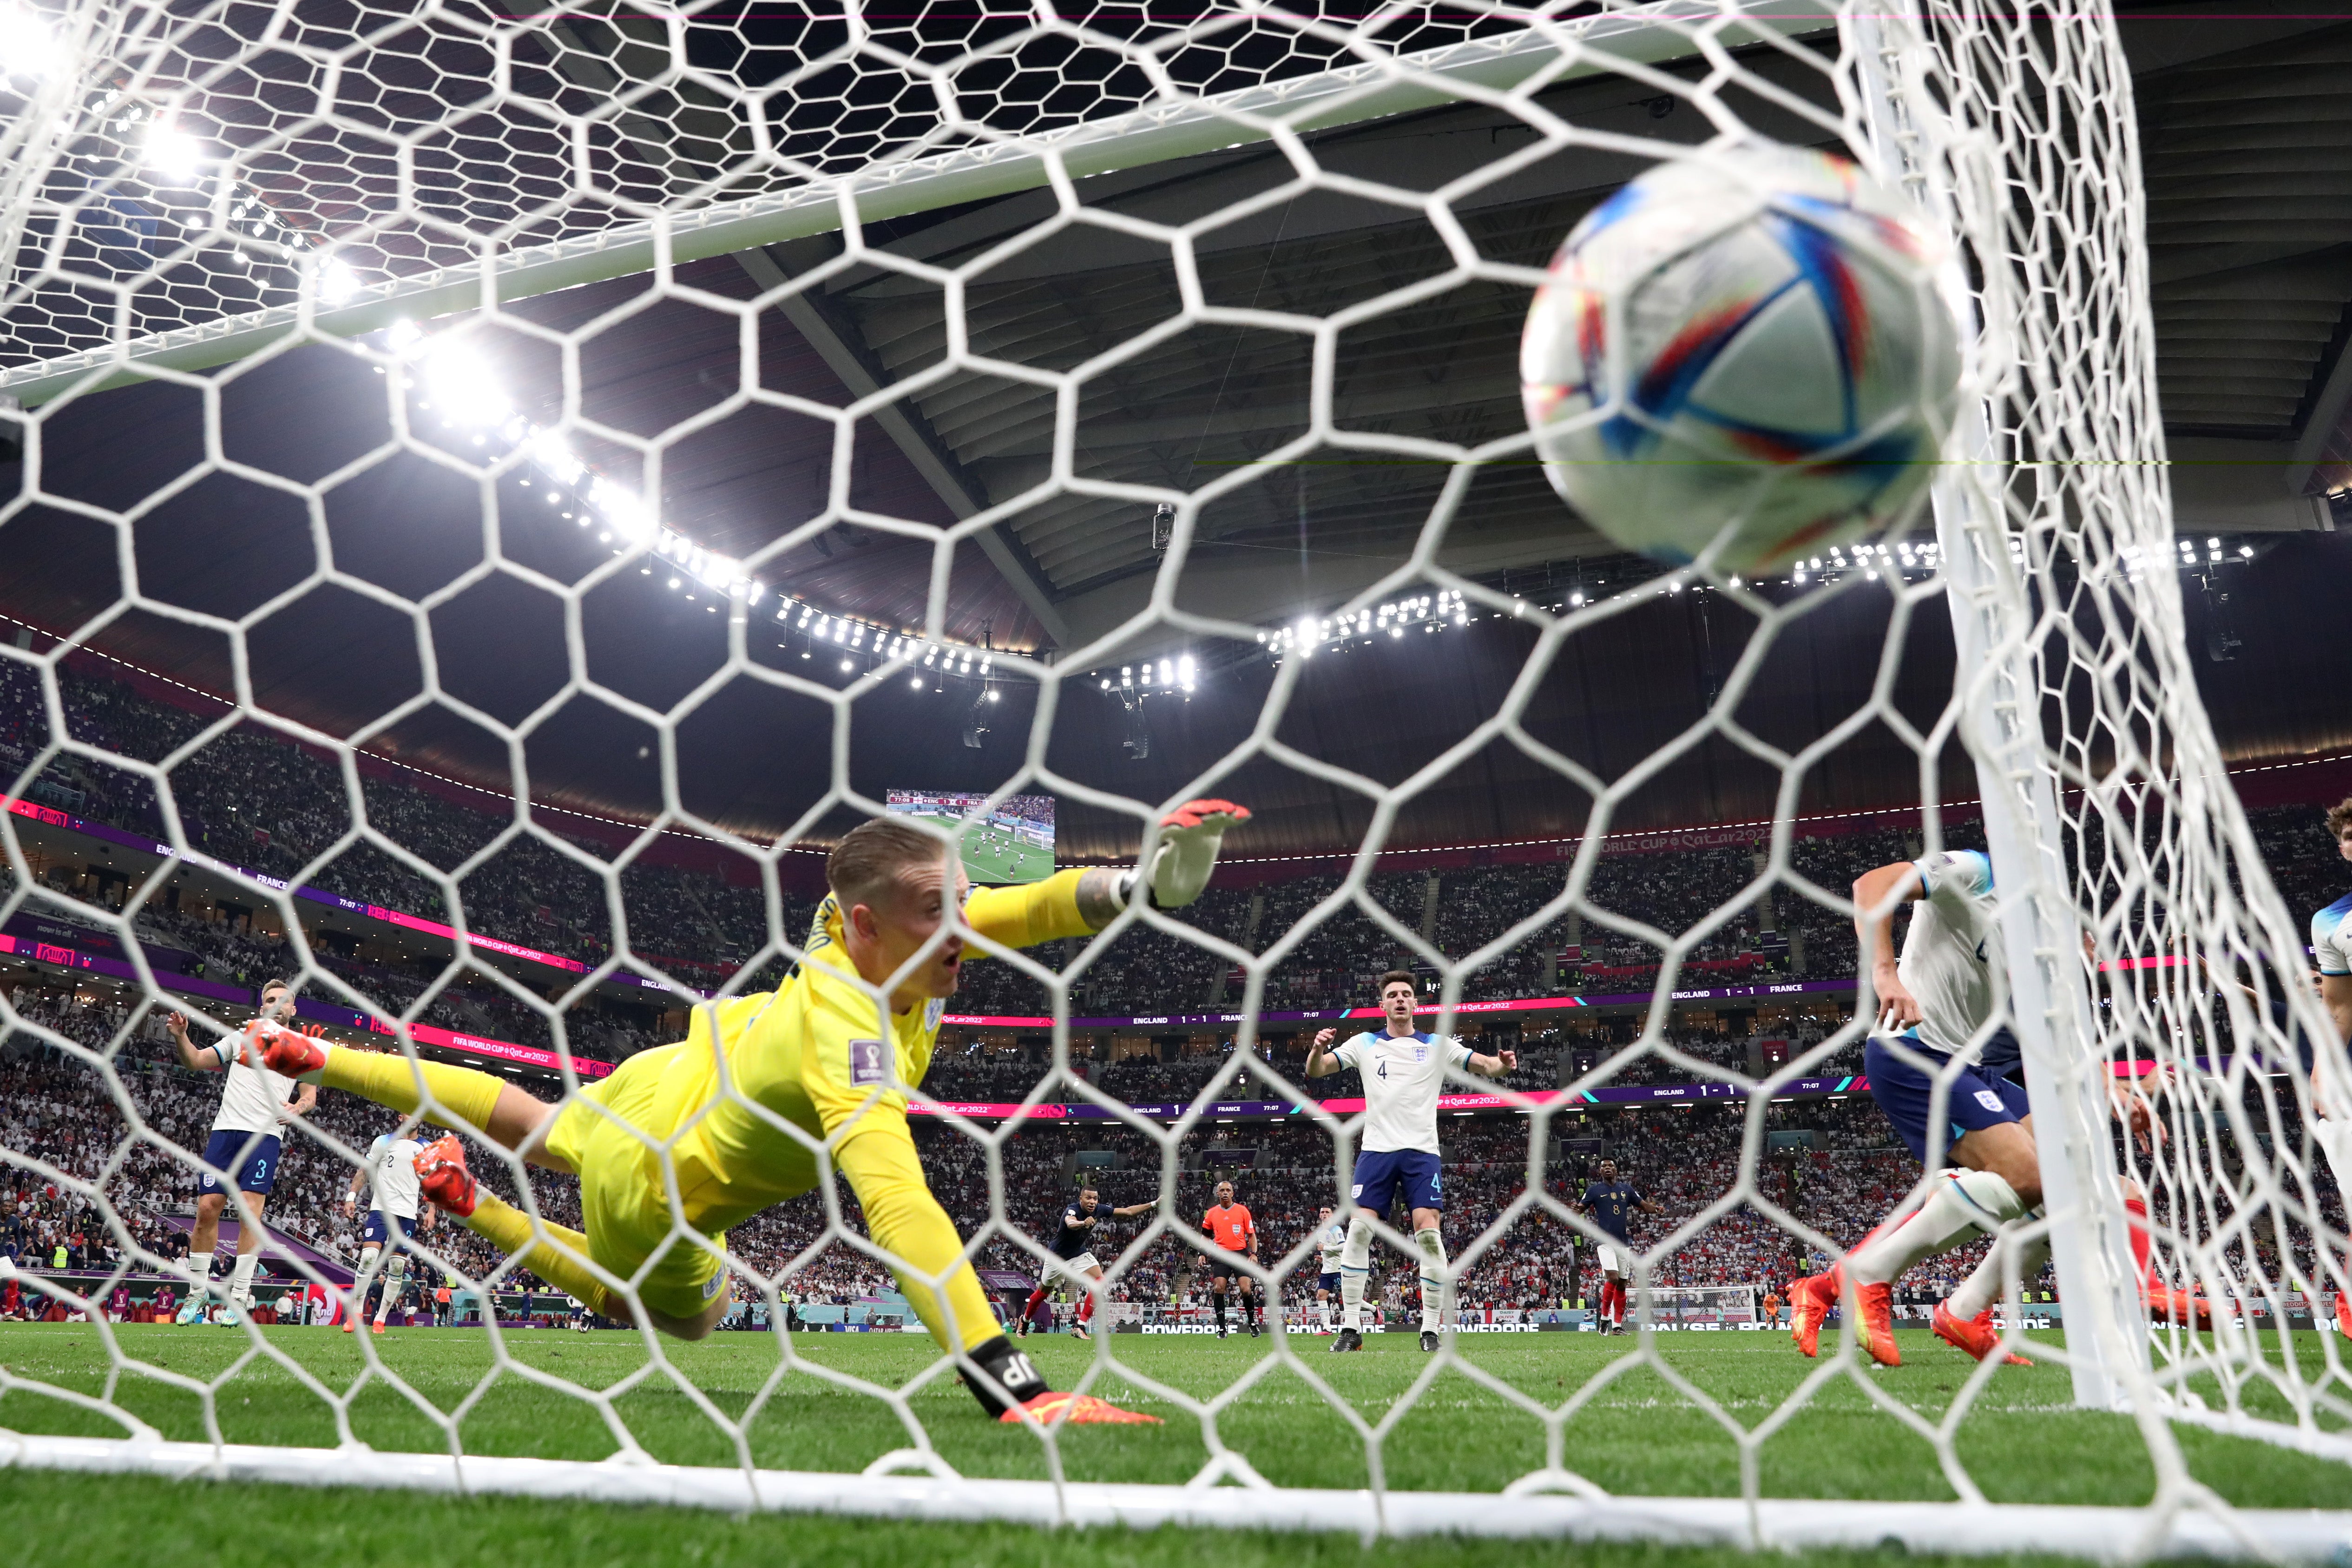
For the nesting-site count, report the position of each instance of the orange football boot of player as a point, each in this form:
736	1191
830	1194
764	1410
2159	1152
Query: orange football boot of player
1976	1335
441	1173
1874	1316
1085	1410
288	1053
2169	1305
1810	1300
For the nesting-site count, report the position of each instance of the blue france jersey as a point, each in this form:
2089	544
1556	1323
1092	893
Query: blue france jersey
1077	1234
1609	1203
2331	937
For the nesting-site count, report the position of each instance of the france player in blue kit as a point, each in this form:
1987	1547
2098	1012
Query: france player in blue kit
1607	1200
1073	1261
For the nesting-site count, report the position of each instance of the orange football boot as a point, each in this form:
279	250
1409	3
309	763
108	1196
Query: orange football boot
441	1172
1085	1410
1976	1335
1874	1316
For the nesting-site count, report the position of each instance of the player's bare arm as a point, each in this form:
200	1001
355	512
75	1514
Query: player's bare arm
1496	1066
201	1058
1320	1062
1875	896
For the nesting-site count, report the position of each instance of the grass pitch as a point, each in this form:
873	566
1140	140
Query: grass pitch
1005	859
95	1521
1636	1433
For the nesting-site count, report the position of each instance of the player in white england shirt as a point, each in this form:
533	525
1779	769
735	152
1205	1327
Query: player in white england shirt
244	1143
1331	1244
2331	1091
1941	1068
1403	1072
392	1220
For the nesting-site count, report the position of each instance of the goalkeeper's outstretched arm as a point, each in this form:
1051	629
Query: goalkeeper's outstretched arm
899	902
1079	903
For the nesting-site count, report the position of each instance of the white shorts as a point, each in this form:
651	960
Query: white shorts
1612	1260
1068	1271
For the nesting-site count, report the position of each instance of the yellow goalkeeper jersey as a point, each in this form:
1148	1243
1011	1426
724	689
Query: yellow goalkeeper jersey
742	1109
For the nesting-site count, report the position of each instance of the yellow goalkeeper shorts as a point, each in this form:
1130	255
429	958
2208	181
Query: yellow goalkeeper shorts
610	1133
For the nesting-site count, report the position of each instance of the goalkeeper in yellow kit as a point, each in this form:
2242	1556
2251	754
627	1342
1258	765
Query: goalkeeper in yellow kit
689	1139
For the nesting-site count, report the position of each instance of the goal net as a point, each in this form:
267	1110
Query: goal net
497	498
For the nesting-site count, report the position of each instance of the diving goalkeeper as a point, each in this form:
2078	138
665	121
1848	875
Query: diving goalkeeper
816	1055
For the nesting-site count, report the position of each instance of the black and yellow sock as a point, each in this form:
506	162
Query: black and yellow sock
560	1258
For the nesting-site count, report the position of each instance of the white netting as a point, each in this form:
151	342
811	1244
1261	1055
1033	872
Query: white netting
222	188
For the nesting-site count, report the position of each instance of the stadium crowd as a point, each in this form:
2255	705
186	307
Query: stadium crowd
1831	1162
253	797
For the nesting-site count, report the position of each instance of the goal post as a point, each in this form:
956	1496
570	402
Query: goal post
1995	564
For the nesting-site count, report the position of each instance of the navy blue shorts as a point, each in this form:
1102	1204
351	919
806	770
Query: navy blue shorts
373	1232
1974	1099
253	1160
1326	1284
1378	1177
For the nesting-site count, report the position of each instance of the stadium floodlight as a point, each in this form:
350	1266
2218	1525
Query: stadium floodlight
173	153
337	284
29	50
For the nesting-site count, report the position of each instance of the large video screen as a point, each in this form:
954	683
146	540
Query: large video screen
1010	842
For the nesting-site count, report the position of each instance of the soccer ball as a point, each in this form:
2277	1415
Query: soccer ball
1743	357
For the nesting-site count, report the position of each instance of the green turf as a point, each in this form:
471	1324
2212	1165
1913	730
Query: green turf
987	861
98	1520
1636	1433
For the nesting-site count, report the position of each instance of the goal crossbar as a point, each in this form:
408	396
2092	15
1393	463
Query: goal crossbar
1641	35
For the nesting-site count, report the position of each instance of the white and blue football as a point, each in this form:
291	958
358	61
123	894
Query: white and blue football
1742	358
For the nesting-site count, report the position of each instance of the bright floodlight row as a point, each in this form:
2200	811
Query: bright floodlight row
1178	674
455	382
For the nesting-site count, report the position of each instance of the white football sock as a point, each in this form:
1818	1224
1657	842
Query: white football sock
1355	1268
1983	1288
1433	1278
395	1269
200	1265
240	1280
1964	1204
